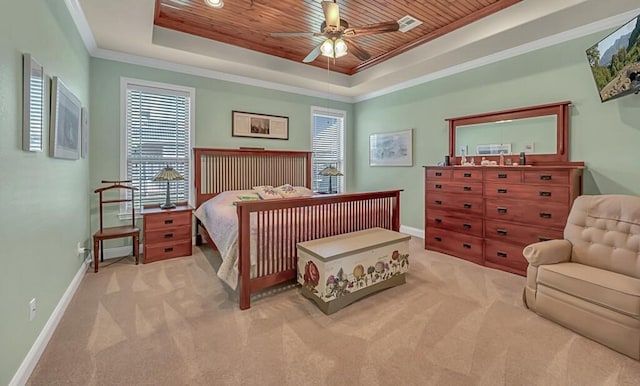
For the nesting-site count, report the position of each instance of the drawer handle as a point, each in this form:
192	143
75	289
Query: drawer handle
438	202
438	186
467	175
467	188
545	194
501	232
502	210
168	221
168	249
541	238
502	190
545	177
438	221
438	238
467	205
466	246
502	175
466	226
545	215
168	235
501	254
438	174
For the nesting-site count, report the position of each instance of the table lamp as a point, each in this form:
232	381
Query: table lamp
168	174
331	172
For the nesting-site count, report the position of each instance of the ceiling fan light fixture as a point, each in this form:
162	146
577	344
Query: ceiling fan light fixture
214	3
333	48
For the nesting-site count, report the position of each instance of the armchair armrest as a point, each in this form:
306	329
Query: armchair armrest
548	252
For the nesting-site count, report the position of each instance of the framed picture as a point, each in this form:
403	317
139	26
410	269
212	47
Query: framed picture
66	118
84	149
494	149
32	104
391	149
259	125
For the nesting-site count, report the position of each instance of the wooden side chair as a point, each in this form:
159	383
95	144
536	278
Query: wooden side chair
106	233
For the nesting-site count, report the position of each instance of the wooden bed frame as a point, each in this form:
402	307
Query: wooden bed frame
218	170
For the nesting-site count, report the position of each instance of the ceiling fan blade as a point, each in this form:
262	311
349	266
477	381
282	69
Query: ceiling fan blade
370	29
331	13
288	34
357	51
312	55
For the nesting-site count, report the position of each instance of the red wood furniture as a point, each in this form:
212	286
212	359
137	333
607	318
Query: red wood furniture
167	232
218	170
106	233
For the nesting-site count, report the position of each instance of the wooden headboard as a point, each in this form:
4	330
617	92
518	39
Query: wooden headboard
217	170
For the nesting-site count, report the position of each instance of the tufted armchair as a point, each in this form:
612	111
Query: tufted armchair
590	281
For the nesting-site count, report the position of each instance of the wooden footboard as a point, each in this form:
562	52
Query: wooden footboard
280	224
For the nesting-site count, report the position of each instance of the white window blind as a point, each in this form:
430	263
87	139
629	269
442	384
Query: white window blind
327	136
157	134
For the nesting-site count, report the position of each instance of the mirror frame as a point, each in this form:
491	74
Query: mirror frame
559	109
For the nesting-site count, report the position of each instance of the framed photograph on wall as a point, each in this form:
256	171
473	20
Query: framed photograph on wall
391	149
259	125
84	149
66	121
32	104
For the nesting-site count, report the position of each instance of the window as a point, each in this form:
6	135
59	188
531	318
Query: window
157	132
327	145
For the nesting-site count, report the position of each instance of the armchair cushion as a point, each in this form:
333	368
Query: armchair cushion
547	252
605	288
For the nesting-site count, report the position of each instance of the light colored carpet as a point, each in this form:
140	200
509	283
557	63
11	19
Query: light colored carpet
453	323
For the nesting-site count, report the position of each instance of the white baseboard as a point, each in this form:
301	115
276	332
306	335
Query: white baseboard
412	231
33	356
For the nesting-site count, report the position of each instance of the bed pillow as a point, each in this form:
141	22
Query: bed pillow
288	190
267	192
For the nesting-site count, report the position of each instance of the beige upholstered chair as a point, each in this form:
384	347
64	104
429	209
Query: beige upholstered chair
590	281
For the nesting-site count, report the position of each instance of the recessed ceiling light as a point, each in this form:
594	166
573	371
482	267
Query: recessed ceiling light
214	3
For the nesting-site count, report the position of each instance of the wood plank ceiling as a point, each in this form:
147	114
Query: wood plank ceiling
249	24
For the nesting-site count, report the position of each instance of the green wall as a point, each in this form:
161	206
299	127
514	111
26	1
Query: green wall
45	208
603	135
215	100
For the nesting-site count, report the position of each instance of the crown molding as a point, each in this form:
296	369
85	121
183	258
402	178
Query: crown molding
81	25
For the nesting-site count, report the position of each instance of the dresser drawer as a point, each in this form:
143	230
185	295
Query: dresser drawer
465	206
536	193
467	175
440	174
167	251
547	214
457	187
547	177
520	234
169	219
502	174
443	220
168	235
456	244
505	255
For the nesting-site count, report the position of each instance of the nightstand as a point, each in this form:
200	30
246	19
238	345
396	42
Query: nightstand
167	232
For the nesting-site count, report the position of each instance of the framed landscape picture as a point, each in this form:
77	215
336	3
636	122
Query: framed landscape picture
391	149
66	121
259	125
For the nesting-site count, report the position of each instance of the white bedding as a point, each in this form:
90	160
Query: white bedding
219	217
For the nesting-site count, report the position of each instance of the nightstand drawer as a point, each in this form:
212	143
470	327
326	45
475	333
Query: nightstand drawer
167	251
168	235
169	219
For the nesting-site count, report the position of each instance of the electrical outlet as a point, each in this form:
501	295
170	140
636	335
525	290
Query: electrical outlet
32	309
80	249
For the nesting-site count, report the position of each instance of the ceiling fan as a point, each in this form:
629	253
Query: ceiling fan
338	34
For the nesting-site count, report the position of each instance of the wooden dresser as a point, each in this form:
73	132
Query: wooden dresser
167	233
487	215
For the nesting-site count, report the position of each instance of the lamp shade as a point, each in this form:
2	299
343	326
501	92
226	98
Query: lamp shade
330	171
168	174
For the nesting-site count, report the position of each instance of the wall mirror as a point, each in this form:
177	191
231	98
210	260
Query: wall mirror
32	104
539	131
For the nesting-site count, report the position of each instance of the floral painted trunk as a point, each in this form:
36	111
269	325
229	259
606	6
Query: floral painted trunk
336	271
